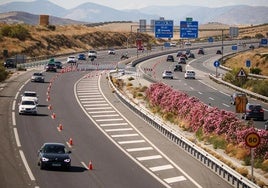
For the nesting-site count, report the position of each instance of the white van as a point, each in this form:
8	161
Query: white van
189	74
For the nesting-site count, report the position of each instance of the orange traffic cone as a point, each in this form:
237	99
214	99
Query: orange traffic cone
48	98
70	141
60	127
53	116
90	166
49	107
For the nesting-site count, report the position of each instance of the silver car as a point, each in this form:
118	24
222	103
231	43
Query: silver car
167	74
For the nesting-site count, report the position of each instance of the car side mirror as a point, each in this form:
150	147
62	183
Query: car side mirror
69	152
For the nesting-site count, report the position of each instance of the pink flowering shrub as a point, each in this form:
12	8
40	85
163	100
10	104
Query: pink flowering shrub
211	120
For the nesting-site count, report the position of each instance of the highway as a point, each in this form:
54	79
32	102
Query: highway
124	151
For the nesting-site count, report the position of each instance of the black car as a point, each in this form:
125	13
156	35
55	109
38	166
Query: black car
178	68
201	51
51	67
218	52
253	111
170	58
10	63
54	155
58	64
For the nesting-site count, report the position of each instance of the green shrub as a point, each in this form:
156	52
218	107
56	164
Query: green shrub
15	31
3	73
255	70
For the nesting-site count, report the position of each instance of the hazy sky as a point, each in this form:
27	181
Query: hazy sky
134	4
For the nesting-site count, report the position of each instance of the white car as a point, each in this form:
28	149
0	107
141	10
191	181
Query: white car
173	44
167	74
111	52
92	54
188	43
189	74
27	107
71	59
30	95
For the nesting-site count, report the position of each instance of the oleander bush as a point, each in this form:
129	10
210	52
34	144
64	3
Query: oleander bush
219	127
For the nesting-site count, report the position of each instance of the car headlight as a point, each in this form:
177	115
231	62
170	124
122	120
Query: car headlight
67	160
45	159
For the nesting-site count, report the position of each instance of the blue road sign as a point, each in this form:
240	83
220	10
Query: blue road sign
234	47
166	44
210	39
189	29
248	63
264	41
163	28
216	64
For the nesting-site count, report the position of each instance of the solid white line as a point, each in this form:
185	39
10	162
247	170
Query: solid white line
13	119
26	165
224	93
191	88
16	96
17	137
159	168
84	164
131	142
14	105
149	157
211	98
123	129
102	120
106	115
139	149
112	124
94	96
200	92
175	179
123	135
225	105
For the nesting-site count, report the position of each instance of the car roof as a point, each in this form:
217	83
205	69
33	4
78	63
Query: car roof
29	92
53	143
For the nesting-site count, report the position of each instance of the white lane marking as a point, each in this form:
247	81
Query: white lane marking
13	119
191	88
16	96
114	130
159	168
104	120
200	93
21	87
139	149
211	98
131	142
26	165
225	105
208	85
14	105
146	158
112	124
105	115
123	135
98	108
224	93
84	96
92	101
175	179
84	164
88	104
101	112
17	137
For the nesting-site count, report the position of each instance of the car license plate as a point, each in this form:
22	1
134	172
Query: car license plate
56	164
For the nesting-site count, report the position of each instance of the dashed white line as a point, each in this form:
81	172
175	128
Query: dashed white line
200	92
101	112
175	179
224	93
211	98
14	105
139	149
225	105
98	108
13	119
124	135
149	157
17	137
131	142
26	165
159	168
191	88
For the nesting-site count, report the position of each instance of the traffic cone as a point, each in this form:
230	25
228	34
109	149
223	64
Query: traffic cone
60	127
90	166
70	141
53	116
49	107
48	98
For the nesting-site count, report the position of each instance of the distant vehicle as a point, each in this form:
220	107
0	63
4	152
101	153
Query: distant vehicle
235	95
111	52
81	57
173	44
201	51
54	155
124	56
253	111
27	107
140	48
38	77
71	59
218	52
188	43
191	55
58	64
92	54
178	68
30	95
182	60
266	125
189	74
10	63
179	53
167	74
251	47
170	58
51	67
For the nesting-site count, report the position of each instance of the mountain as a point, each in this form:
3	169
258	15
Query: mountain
91	12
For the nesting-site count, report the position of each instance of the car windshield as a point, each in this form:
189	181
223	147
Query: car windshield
30	94
38	74
28	103
54	149
168	72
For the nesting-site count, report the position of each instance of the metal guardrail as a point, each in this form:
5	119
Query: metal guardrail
221	169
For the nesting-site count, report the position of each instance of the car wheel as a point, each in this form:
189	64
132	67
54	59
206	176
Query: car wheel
42	166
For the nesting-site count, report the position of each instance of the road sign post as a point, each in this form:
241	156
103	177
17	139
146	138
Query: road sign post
216	64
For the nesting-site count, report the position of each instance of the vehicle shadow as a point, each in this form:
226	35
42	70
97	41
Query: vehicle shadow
71	169
42	105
